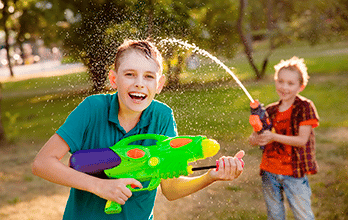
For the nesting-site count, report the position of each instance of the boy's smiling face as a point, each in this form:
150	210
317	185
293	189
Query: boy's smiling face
288	85
137	81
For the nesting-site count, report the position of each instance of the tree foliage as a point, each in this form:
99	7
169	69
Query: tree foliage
217	21
28	20
281	22
320	20
90	30
96	28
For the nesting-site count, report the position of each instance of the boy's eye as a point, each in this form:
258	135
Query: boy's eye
150	76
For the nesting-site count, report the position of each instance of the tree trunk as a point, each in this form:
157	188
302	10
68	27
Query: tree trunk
98	74
247	45
5	16
150	19
270	22
7	46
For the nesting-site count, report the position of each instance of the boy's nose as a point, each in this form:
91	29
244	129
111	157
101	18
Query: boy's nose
139	83
286	87
139	86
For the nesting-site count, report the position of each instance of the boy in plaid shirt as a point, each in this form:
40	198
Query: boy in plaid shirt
289	153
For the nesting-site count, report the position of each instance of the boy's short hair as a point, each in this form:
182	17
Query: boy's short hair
145	46
294	64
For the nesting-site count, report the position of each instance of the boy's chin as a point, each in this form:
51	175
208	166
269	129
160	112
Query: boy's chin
139	107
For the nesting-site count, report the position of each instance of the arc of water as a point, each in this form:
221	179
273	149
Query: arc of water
196	49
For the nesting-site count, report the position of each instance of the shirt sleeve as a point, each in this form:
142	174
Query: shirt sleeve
169	128
308	114
313	122
74	127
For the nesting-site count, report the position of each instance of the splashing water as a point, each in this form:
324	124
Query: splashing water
196	49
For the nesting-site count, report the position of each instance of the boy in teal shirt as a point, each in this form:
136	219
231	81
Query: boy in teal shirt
100	121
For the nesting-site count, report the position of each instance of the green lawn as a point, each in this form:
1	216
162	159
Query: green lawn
321	59
32	110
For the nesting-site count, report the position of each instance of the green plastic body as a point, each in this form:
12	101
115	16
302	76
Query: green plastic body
167	159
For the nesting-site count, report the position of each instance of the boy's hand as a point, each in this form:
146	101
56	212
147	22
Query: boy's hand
230	168
265	137
116	189
261	139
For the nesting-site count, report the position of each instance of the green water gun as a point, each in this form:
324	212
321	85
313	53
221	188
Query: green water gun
169	158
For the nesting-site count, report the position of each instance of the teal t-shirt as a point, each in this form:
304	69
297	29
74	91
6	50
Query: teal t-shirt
94	124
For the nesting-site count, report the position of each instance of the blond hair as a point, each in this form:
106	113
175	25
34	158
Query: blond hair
294	64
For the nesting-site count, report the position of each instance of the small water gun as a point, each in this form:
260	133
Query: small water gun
259	118
167	159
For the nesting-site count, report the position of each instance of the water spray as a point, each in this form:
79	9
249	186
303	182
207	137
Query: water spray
258	119
196	49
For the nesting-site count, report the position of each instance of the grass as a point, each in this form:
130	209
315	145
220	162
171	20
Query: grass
222	112
321	59
33	109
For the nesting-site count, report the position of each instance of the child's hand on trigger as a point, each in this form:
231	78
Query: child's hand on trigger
229	168
116	189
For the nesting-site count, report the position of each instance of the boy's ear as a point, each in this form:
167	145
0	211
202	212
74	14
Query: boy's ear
112	78
302	88
161	82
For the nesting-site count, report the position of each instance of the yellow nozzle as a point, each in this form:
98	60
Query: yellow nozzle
210	147
189	169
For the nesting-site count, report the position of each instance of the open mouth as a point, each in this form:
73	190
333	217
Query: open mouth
137	96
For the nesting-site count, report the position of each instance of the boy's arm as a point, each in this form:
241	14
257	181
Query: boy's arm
229	169
47	165
300	140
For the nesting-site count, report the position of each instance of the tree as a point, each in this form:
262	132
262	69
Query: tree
275	35
28	20
38	20
281	22
215	26
96	28
6	10
211	25
5	14
320	21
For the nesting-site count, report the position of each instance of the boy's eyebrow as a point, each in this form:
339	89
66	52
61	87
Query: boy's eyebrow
126	70
133	70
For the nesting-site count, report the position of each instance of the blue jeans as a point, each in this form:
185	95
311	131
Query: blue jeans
297	191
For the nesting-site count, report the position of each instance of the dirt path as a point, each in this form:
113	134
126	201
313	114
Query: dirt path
43	73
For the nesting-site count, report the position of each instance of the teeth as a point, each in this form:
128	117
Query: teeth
139	95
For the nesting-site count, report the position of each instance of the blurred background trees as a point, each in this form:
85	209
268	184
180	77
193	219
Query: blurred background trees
89	31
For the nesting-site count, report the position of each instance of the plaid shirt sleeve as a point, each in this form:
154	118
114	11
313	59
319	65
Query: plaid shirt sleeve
304	161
